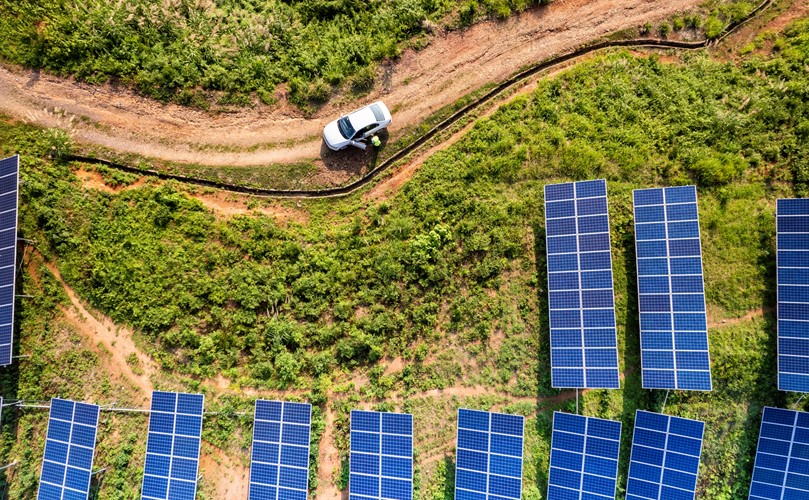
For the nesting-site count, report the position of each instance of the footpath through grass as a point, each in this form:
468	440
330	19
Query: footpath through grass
443	284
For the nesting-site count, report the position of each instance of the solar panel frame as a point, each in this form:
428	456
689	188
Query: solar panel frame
665	457
584	457
494	472
381	456
67	463
173	445
792	262
675	351
9	207
581	293
279	459
780	470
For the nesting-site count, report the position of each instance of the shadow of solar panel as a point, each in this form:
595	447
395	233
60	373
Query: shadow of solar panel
792	219
580	290
671	298
584	457
280	458
69	447
781	469
172	446
665	457
9	181
489	455
381	456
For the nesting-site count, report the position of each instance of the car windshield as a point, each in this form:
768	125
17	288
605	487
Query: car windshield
345	127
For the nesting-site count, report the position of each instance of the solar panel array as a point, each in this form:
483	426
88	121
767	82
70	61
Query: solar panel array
584	458
172	447
584	351
489	456
793	294
69	447
9	181
782	457
280	460
673	323
381	458
665	457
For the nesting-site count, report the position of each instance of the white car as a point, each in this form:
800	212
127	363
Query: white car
353	128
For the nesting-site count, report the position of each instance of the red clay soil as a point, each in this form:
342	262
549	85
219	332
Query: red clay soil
421	82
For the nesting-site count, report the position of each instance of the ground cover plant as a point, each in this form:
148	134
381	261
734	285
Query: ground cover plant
441	286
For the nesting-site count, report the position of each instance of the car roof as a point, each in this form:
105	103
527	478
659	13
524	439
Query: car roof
362	118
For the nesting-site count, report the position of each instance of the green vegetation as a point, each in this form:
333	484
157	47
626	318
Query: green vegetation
177	49
373	303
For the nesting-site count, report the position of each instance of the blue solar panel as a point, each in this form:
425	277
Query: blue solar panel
280	460
381	458
584	457
9	180
665	457
584	352
69	447
671	296
172	448
793	294
782	457
489	460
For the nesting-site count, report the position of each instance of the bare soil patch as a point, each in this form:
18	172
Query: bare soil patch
421	82
116	340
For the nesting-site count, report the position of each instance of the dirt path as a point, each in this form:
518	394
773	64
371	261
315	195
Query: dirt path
328	461
116	340
421	82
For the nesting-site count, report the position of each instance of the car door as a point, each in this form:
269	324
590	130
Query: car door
365	131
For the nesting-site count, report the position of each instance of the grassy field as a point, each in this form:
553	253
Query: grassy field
438	288
175	49
234	52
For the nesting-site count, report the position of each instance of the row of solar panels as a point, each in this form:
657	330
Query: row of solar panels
489	461
671	294
665	455
673	324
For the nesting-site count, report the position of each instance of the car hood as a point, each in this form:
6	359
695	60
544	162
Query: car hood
334	139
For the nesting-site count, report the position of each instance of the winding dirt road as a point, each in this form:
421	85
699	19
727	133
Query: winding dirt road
421	82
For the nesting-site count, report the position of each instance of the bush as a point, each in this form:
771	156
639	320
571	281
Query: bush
714	27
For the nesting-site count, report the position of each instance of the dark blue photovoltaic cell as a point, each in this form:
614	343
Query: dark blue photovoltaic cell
489	455
381	456
172	446
671	296
792	219
279	463
584	457
781	469
69	447
580	291
665	456
9	180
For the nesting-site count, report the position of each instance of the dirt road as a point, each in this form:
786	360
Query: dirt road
420	82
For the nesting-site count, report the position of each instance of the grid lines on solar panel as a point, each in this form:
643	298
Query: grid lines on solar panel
172	446
488	464
584	351
279	464
381	457
781	469
665	456
9	182
671	295
793	294
584	458
69	447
